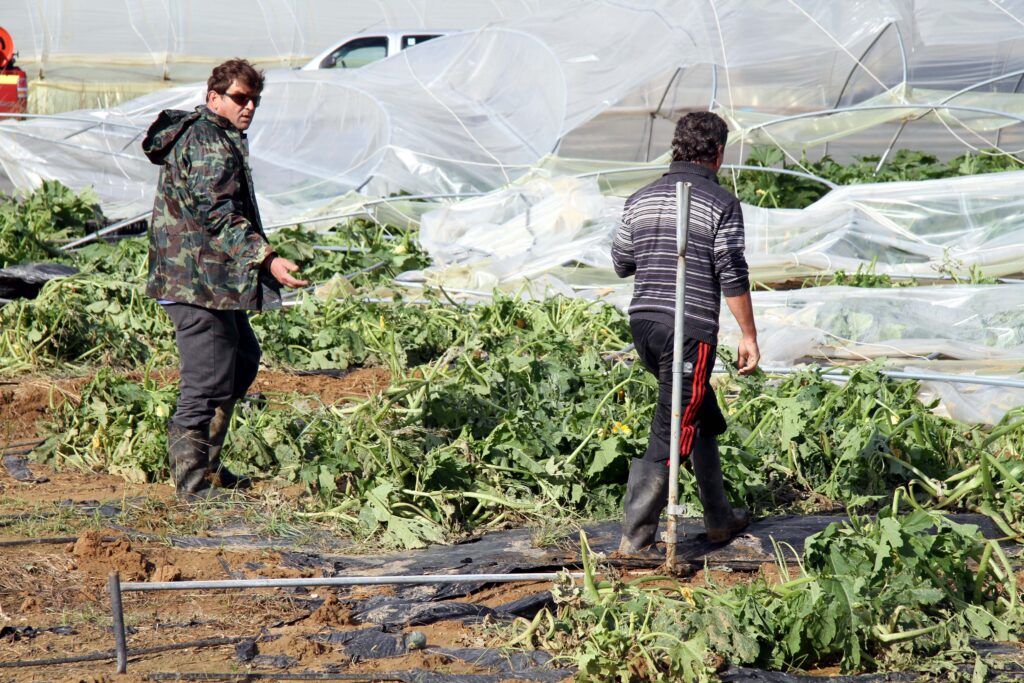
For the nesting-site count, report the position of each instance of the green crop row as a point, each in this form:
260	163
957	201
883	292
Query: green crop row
510	410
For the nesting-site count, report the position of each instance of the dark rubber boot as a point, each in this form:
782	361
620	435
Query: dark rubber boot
170	453
219	474
188	450
646	496
721	520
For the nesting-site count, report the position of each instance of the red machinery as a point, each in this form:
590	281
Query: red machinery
13	83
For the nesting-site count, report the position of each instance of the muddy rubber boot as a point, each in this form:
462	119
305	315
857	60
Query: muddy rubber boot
721	520
188	450
219	474
646	496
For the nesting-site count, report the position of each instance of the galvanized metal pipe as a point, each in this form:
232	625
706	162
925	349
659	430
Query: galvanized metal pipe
656	168
73	119
341	581
682	230
374	202
368	677
115	587
136	652
838	373
343	250
109	229
927	108
120	643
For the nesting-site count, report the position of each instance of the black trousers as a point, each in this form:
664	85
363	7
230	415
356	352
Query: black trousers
654	341
220	357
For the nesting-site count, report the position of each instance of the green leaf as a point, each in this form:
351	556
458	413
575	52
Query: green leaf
608	452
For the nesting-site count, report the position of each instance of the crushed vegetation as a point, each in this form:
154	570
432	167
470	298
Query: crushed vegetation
517	412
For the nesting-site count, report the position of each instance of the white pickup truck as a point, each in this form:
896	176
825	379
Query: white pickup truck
363	48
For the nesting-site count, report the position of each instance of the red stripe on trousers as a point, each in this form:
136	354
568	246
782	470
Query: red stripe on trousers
696	398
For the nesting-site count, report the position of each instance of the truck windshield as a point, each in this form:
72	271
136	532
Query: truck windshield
356	53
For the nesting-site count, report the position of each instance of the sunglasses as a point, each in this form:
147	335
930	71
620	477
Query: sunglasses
241	99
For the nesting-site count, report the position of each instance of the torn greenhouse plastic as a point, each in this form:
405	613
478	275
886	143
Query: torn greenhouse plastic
476	110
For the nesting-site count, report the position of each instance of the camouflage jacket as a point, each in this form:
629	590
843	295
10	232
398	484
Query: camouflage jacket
206	241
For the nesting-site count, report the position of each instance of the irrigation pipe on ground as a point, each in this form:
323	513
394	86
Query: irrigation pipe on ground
100	656
115	588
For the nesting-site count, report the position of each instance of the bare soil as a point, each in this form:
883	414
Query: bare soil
50	586
27	401
63	585
24	403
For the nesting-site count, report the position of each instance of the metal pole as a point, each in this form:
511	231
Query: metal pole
115	587
928	108
342	581
859	63
73	119
120	645
374	202
888	150
682	227
109	229
656	169
962	379
999	132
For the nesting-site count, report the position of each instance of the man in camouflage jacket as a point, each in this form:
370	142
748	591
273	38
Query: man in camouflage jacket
210	263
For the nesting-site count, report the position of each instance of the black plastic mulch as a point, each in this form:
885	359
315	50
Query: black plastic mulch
376	643
504	552
15	633
25	280
17	467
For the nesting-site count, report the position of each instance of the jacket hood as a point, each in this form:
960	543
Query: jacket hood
165	131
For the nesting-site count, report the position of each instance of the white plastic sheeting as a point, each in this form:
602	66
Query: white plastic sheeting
901	228
180	40
969	330
965	322
974	113
972	403
466	112
519	233
437	123
921	228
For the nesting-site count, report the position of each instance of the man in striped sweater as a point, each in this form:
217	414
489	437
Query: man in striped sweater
645	247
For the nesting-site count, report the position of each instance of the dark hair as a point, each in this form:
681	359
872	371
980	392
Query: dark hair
235	69
698	136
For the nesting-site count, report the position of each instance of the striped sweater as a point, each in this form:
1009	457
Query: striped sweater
645	246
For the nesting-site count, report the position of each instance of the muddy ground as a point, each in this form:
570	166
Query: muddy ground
53	600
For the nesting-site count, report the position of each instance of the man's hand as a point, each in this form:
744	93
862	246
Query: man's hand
747	355
282	269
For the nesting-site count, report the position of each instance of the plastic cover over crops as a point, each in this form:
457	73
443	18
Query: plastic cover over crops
465	112
910	228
